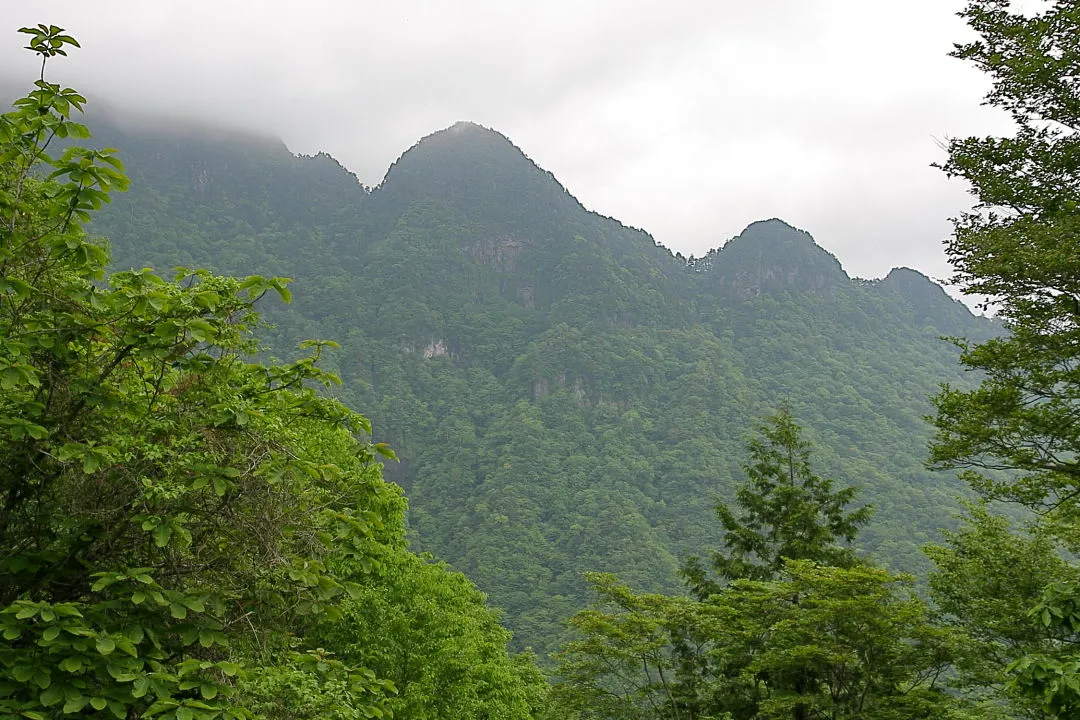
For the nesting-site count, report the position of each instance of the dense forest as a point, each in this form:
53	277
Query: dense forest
563	393
640	485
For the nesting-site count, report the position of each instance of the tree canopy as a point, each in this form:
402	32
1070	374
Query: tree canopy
183	528
1015	435
190	528
815	635
788	513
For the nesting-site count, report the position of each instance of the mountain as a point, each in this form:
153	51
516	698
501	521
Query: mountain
770	256
476	172
563	392
927	301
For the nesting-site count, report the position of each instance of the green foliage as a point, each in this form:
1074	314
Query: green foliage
624	663
427	630
837	642
1050	676
563	393
155	499
807	640
1018	248
818	641
789	513
314	685
179	525
987	578
815	642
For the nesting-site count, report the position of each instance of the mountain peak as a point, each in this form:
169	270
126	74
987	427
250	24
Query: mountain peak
479	173
464	142
908	275
778	234
466	133
771	225
927	300
468	126
914	286
772	255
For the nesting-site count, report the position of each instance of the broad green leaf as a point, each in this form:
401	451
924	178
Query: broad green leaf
51	696
162	533
72	664
140	686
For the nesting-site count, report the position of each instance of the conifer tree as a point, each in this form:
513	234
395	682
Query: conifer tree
788	512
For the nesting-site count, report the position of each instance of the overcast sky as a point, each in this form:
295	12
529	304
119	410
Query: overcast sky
688	118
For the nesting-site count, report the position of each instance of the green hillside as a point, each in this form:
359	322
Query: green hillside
563	392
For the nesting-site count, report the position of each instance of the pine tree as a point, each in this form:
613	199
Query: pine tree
788	513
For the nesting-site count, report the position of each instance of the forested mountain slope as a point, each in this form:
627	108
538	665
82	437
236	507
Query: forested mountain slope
563	392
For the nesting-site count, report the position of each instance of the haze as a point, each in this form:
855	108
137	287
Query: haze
687	119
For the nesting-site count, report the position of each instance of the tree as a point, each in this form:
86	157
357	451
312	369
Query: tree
624	663
816	642
169	512
1019	248
428	630
834	642
789	513
987	579
784	637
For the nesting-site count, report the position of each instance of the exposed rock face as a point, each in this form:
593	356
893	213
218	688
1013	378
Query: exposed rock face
498	253
435	348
